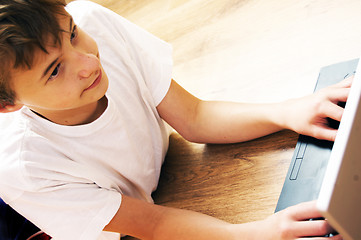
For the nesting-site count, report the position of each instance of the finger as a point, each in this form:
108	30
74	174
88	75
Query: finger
345	83
337	95
304	211
313	228
325	133
332	111
337	237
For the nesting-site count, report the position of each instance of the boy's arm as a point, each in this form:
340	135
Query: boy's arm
224	122
148	221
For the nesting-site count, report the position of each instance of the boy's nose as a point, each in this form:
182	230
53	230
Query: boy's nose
87	64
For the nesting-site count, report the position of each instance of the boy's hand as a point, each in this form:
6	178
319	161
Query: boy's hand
294	223
308	115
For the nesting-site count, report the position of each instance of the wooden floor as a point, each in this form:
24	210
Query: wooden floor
242	50
249	50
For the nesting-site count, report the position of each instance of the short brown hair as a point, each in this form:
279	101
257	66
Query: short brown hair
25	26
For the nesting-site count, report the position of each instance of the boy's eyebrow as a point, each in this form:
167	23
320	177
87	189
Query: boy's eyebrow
71	25
50	66
55	61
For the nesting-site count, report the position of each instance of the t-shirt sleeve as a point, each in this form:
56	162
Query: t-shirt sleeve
62	197
68	210
151	55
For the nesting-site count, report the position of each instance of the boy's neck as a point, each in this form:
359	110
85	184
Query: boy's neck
73	117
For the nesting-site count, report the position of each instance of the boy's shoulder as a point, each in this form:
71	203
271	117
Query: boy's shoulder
84	8
11	124
93	18
7	119
86	4
12	132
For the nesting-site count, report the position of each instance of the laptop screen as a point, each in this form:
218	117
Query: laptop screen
340	195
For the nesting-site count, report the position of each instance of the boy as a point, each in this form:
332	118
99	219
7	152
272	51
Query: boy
84	134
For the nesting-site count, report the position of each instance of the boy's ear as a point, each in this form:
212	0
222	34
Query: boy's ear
6	108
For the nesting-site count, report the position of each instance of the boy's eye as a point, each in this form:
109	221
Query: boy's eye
55	72
73	34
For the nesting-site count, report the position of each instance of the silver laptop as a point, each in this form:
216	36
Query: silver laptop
327	171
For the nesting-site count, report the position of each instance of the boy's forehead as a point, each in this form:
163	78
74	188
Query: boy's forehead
65	23
40	60
53	48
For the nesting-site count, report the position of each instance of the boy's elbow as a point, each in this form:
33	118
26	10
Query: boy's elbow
193	135
136	218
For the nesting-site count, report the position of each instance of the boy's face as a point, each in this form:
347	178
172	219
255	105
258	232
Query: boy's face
68	80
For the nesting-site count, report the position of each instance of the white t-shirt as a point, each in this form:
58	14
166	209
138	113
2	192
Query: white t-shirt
68	180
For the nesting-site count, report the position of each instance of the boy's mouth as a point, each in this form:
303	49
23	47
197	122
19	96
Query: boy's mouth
96	82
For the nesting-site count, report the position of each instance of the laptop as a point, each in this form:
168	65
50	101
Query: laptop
331	171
